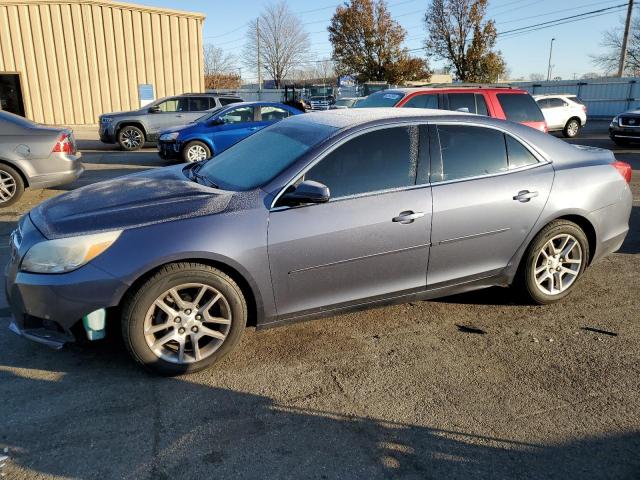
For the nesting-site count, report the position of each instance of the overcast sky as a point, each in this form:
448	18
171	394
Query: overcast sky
527	53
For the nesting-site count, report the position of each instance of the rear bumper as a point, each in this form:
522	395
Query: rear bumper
69	168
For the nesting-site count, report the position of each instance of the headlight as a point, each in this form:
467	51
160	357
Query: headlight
106	119
614	122
66	254
169	137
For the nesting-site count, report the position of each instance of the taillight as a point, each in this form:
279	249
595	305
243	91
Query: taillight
624	169
584	108
64	144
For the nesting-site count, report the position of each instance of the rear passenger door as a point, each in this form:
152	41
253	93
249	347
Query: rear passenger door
488	191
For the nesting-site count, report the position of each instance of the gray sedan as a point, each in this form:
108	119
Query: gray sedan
313	216
34	156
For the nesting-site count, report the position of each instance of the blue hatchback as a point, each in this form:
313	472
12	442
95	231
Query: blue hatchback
219	129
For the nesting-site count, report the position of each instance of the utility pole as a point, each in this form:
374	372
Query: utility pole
625	40
259	61
550	52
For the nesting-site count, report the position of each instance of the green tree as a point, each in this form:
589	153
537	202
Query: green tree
458	33
367	43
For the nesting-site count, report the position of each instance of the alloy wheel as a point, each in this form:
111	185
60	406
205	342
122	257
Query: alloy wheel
196	153
7	187
558	264
187	323
130	138
572	128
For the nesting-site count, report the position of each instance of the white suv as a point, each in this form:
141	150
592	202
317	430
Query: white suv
563	112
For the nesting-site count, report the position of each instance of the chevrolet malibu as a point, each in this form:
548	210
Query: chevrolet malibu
313	216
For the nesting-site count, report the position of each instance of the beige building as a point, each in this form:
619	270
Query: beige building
65	62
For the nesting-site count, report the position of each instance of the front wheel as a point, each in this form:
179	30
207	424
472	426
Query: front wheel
553	262
572	128
131	138
185	318
196	151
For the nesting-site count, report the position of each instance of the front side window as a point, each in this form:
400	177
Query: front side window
374	161
174	105
272	114
238	115
423	101
469	152
520	107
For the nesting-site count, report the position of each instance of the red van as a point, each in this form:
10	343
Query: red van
506	103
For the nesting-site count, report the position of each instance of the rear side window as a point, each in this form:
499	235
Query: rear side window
576	99
481	105
469	152
518	154
423	101
463	102
520	108
198	104
557	102
374	161
228	101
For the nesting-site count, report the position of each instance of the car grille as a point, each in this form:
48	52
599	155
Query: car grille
320	104
630	121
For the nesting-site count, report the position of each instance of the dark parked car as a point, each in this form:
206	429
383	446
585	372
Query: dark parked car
216	131
132	129
315	215
34	156
625	128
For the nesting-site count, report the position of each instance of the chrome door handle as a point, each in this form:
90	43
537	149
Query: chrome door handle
525	195
407	216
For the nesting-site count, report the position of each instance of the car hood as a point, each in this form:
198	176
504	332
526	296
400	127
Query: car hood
145	198
120	114
179	128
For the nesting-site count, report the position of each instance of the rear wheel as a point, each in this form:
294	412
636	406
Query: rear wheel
11	186
185	318
572	128
554	262
196	151
130	138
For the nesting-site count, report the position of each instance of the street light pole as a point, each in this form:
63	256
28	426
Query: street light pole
625	40
550	52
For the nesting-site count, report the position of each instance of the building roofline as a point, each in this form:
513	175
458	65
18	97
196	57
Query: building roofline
113	4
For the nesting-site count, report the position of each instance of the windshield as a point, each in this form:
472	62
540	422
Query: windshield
258	159
383	98
208	115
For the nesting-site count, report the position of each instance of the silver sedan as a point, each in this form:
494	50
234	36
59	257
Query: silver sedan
34	156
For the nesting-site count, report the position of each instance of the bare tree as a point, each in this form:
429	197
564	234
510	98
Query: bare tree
536	77
278	39
611	42
220	68
325	70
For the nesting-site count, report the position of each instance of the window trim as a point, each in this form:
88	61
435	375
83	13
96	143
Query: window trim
337	144
542	158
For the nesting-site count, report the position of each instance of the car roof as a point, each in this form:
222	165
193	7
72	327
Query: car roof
256	103
552	95
461	87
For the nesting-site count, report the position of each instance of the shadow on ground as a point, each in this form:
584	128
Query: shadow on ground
98	416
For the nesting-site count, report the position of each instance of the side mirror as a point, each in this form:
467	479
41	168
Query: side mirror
215	122
154	109
307	192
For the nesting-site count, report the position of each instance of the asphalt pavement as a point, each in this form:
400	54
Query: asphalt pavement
471	386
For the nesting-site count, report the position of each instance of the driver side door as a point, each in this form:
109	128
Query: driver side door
171	114
238	123
370	241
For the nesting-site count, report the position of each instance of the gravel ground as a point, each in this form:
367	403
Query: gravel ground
472	386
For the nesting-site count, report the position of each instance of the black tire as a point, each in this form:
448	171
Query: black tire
131	138
11	185
526	280
201	147
137	305
572	128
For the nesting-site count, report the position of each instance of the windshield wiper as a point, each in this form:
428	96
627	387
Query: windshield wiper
198	177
